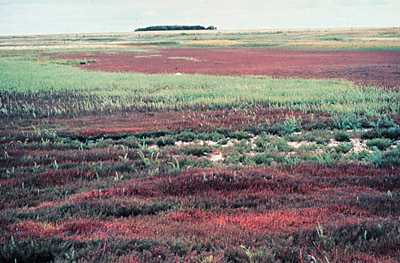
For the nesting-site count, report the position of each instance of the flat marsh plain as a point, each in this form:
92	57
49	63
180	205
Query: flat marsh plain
201	146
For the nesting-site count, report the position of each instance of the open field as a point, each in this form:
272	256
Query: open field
256	153
353	39
378	68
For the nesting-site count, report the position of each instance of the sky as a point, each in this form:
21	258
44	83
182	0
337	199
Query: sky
26	17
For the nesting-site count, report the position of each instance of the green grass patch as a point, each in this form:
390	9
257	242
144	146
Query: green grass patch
41	89
379	143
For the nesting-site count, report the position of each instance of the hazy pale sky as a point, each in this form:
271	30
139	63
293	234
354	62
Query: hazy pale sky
88	16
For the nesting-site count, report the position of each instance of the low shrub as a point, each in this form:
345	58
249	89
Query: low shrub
391	157
291	124
200	151
347	122
391	133
379	143
376	157
187	136
240	135
223	142
152	134
234	159
165	141
344	147
385	122
25	251
280	145
236	255
262	159
213	136
341	137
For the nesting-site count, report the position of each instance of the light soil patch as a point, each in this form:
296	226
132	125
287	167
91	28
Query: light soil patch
297	145
358	146
148	56
197	142
340	44
154	148
181	143
332	143
215	157
187	58
46	47
212	43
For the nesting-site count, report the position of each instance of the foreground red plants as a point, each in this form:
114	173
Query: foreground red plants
205	183
308	213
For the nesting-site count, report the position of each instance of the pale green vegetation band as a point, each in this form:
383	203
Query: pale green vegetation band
37	88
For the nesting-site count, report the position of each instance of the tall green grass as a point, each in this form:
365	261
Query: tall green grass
40	89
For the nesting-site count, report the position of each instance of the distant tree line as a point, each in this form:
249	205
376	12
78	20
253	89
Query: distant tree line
161	28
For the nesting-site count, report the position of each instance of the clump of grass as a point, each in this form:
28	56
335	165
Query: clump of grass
236	158
376	157
213	136
379	143
344	147
290	125
391	157
26	251
153	134
187	136
165	141
341	137
198	151
347	122
261	144
262	159
240	135
280	145
391	133
385	122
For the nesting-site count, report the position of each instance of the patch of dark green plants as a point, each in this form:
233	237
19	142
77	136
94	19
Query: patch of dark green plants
153	134
187	136
234	254
98	138
193	162
389	133
379	143
235	159
391	158
264	159
341	136
127	211
357	236
343	148
165	142
239	135
213	136
290	125
280	145
347	123
385	122
29	251
382	123
198	151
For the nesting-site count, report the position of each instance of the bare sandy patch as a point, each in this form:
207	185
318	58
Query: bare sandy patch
222	42
186	58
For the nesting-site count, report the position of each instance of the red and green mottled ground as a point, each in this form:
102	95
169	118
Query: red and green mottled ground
202	183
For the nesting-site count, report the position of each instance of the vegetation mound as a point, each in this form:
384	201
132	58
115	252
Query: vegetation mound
176	27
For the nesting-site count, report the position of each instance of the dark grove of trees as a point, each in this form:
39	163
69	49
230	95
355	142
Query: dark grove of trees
162	28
